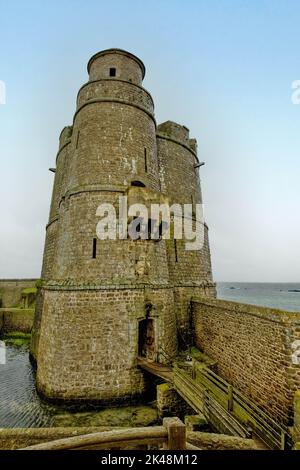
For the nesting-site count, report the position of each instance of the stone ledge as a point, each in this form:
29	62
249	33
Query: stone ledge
90	286
114	100
115	80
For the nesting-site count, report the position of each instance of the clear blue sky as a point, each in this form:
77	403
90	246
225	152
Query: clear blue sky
222	68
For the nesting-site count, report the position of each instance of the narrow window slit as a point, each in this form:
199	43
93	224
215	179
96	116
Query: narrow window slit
112	72
77	139
146	163
175	250
94	248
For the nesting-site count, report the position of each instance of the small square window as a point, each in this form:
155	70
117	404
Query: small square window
112	72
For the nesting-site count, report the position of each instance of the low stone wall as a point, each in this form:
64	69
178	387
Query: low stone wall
169	403
11	291
15	319
253	347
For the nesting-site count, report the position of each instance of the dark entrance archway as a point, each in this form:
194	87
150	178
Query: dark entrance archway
146	346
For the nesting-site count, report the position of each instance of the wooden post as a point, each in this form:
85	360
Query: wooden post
176	433
283	440
230	398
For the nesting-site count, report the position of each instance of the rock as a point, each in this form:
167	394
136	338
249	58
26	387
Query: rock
126	416
196	422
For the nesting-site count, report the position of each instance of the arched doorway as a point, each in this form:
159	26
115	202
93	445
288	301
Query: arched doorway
146	346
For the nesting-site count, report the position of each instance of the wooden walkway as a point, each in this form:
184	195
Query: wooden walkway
224	406
160	370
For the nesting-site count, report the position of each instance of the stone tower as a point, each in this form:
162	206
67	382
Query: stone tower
103	303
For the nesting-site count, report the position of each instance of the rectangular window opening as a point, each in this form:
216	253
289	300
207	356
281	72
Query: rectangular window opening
94	248
112	72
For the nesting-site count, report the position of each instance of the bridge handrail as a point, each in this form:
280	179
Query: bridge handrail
247	403
277	435
172	434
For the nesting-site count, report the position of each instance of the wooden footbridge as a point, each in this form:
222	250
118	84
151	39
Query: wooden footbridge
224	407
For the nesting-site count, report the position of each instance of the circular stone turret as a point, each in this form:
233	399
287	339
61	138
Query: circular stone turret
118	64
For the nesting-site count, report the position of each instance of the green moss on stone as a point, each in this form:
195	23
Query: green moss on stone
29	290
163	388
119	417
17	338
39	283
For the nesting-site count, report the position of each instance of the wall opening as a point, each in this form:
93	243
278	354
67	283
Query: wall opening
112	72
146	340
145	158
94	248
175	250
139	184
77	139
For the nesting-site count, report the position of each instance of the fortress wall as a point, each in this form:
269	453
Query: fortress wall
78	356
61	166
16	319
110	141
179	178
175	131
49	249
189	267
11	290
58	186
115	89
36	326
189	270
253	349
117	261
182	302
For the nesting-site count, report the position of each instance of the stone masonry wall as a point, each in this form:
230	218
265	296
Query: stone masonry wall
98	360
253	349
16	319
128	67
11	291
